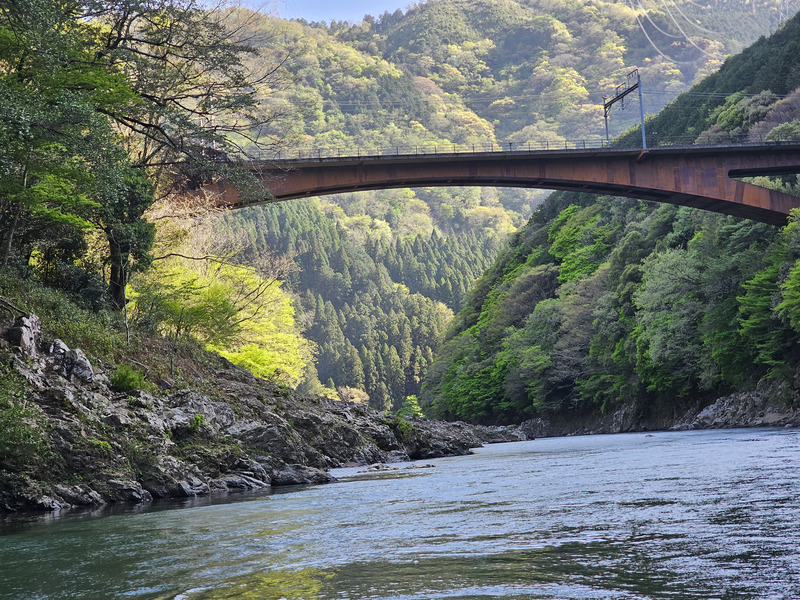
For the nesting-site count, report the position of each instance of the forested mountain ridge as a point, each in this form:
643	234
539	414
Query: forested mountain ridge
480	71
600	303
463	72
118	111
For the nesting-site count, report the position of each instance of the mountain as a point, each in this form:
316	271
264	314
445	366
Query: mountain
379	272
603	305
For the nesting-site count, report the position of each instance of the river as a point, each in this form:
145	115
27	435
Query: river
680	515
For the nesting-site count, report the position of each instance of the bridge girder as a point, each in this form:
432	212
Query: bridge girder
700	177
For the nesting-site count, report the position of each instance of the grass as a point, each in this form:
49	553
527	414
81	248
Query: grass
98	334
103	337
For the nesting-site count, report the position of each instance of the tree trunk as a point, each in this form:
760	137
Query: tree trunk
118	278
10	235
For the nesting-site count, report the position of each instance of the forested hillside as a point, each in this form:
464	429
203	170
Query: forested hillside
113	114
374	268
601	302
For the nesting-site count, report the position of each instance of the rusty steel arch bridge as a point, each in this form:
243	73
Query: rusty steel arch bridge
705	177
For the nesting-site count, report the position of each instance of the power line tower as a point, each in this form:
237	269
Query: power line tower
783	13
623	89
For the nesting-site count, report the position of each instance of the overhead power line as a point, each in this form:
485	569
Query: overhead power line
491	99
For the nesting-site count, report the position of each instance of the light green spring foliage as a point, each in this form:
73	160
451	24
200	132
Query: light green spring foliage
231	309
410	408
268	343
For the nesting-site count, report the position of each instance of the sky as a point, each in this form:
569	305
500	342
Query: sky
328	10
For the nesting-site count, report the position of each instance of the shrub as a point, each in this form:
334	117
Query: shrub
141	457
94	332
127	379
199	421
401	428
102	446
410	408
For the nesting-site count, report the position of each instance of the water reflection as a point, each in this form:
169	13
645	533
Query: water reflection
305	584
595	570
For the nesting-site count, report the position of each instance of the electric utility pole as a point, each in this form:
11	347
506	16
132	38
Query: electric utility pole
623	89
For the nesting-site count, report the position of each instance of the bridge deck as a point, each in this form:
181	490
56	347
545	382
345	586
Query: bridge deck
698	176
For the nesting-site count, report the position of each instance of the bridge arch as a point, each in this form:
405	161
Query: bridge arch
699	177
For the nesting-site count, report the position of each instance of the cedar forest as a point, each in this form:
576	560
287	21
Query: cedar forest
489	305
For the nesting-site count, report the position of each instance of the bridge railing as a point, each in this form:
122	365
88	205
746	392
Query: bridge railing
433	149
437	149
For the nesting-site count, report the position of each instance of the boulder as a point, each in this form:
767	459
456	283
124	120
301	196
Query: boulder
127	491
24	335
72	365
79	366
238	482
79	495
745	409
379	468
184	408
499	434
299	474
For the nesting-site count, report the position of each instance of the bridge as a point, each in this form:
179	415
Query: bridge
705	177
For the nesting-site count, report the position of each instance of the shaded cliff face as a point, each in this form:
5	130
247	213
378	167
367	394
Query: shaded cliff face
771	404
76	441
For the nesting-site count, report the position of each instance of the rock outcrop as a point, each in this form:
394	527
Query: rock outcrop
771	404
106	446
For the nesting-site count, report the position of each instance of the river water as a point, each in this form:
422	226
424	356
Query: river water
681	515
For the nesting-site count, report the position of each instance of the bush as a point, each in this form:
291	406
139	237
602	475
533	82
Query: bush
102	446
410	408
197	423
127	379
401	428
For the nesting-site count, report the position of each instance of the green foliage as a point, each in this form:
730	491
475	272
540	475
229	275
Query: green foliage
94	122
127	379
142	458
233	310
759	324
60	152
102	104
198	421
669	310
656	307
401	428
432	69
371	332
102	447
784	132
410	408
94	332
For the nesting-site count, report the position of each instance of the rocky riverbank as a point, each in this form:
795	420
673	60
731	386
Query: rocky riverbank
69	439
88	444
771	404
